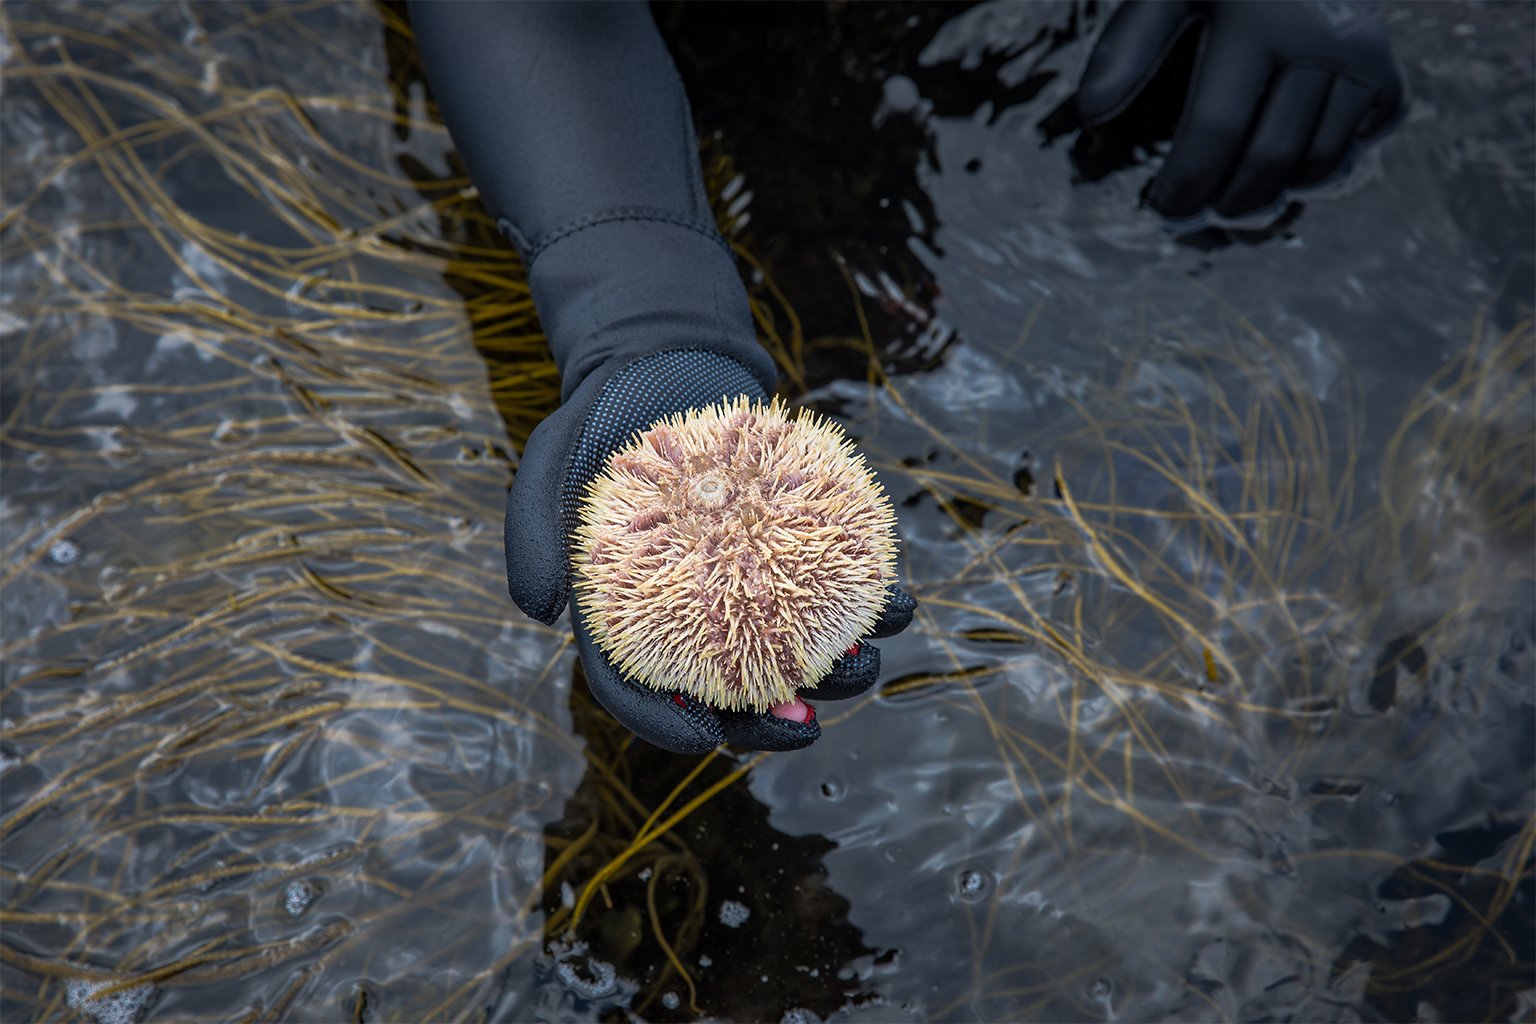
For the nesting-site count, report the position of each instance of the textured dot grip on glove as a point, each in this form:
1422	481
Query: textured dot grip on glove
765	732
851	675
570	447
686	728
896	615
642	393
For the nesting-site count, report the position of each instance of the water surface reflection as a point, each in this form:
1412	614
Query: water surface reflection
1220	702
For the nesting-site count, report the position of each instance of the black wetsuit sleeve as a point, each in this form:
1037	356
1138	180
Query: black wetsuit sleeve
572	121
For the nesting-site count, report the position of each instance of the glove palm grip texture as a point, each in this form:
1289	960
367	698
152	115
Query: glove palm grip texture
636	396
641	393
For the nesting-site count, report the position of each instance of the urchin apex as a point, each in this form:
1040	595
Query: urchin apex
732	553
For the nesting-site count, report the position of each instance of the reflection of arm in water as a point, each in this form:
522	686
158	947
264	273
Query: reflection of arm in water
572	121
1282	92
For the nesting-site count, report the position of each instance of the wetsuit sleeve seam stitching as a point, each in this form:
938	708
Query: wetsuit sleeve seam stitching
641	214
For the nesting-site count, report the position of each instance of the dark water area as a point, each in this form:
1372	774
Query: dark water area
1219	704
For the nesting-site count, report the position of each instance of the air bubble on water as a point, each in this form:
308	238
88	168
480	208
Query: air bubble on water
1101	989
645	876
567	895
705	961
799	1015
228	434
670	1000
63	552
972	884
124	1007
461	407
297	897
114	578
210	879
114	404
122	454
733	914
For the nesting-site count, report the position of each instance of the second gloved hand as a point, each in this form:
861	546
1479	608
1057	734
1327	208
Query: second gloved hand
566	452
1282	91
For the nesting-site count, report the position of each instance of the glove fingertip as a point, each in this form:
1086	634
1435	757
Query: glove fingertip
1386	112
852	674
669	721
765	731
1125	57
1100	96
896	615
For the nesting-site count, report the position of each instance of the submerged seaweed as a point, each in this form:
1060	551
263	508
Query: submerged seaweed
1218	704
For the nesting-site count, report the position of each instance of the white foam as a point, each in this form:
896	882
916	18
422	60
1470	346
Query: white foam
119	404
733	914
124	1007
598	980
298	897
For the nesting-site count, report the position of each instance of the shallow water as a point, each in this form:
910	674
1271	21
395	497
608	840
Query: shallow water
1219	702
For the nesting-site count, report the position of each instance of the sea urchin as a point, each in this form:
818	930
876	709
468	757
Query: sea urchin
733	553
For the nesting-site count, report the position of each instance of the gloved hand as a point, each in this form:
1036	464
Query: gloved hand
564	453
1282	90
572	121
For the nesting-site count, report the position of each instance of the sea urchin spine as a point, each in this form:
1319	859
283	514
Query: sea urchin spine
733	553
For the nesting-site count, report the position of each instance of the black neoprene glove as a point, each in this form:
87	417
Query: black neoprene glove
1283	90
572	122
566	451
